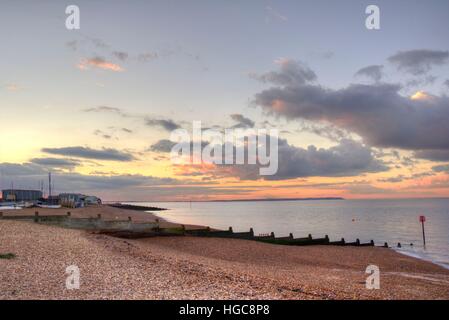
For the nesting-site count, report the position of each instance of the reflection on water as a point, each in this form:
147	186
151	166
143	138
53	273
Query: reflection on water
389	221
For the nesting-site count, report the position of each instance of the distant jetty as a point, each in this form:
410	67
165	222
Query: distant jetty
134	207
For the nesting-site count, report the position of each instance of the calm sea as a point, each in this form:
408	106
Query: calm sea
389	221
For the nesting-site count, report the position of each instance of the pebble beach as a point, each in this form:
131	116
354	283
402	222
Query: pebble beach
197	268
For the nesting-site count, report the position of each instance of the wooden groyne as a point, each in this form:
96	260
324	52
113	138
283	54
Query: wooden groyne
129	229
134	207
271	238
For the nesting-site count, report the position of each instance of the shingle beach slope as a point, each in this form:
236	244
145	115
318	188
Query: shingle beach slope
201	268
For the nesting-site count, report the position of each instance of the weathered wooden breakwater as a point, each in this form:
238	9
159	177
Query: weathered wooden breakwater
91	223
129	229
271	238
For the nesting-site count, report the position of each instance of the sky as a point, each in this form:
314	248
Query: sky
361	113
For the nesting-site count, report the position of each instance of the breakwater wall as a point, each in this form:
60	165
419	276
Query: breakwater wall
129	229
93	223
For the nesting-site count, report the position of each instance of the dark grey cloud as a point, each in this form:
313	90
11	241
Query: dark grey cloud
107	109
110	186
374	72
419	82
162	146
29	174
330	132
148	56
376	112
291	73
441	168
88	153
56	162
417	62
242	121
447	83
127	130
433	155
349	158
19	170
121	55
166	124
396	179
165	146
102	134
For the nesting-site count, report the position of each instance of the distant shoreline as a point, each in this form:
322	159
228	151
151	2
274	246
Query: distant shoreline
277	199
238	200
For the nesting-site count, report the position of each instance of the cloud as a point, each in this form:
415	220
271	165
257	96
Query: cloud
417	62
291	73
12	87
376	112
101	63
433	155
102	134
116	187
168	125
242	121
163	145
446	83
18	170
441	168
374	72
148	56
348	158
397	179
88	153
121	55
56	162
72	45
107	109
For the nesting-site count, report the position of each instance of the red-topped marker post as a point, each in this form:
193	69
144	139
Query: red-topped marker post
422	219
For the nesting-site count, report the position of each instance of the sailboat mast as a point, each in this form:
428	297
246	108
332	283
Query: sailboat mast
49	184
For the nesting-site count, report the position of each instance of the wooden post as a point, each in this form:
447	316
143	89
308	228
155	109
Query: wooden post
357	242
130	219
272	234
99	216
230	230
69	213
1	215
251	231
310	236
422	219
291	235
